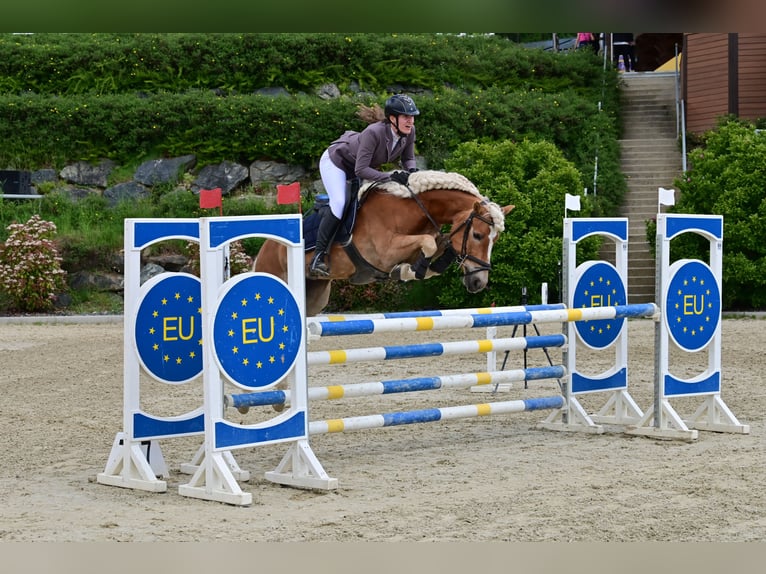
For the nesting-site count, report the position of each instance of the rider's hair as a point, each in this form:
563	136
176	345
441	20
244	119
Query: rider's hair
370	114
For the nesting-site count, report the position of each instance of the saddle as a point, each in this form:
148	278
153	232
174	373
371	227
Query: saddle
365	271
345	230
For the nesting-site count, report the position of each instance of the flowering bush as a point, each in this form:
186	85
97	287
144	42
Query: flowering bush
30	265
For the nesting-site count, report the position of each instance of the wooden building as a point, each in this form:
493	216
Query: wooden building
722	74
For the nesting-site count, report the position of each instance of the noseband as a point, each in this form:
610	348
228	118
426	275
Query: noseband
450	255
463	256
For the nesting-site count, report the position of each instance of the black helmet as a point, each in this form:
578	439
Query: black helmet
400	104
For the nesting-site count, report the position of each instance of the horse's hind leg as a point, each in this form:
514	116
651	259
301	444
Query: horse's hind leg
317	296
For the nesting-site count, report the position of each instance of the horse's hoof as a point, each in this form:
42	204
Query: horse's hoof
396	273
319	273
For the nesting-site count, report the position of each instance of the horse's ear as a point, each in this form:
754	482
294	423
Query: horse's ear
507	209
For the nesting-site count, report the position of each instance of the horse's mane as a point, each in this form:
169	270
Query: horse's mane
425	180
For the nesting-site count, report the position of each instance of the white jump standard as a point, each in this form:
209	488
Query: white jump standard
690	299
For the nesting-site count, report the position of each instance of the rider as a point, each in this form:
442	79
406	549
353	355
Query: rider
360	154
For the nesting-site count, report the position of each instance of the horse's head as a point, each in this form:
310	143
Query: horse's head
473	233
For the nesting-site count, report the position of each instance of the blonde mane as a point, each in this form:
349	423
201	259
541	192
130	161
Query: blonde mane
421	181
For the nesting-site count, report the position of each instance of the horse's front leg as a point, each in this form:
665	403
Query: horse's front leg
407	246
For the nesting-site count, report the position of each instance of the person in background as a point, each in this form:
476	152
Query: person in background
624	46
587	40
389	137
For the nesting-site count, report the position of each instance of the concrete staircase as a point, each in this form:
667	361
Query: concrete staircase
650	159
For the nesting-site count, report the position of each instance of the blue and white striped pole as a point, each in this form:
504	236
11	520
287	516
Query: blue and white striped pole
243	401
433	415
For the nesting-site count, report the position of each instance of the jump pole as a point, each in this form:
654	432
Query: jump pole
689	292
244	401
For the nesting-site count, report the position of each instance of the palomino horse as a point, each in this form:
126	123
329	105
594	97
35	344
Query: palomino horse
398	235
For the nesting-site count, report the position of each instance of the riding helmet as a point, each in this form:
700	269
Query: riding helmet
400	104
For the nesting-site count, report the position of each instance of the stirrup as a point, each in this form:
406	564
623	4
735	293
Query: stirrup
318	268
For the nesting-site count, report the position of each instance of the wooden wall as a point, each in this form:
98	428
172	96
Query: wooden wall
752	76
705	68
723	74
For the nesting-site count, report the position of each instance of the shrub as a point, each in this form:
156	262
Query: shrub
30	267
726	177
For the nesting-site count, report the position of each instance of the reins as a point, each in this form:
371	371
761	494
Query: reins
450	254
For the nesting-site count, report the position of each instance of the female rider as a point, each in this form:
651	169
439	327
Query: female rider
360	155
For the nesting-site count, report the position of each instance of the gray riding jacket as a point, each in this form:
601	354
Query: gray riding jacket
360	154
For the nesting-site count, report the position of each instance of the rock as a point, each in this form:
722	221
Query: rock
150	270
328	91
125	191
44	176
226	175
275	173
169	261
158	171
97	280
83	173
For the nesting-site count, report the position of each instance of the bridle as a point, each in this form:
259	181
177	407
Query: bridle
450	255
461	257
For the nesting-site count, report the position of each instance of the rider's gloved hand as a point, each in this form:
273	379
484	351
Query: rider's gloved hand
400	177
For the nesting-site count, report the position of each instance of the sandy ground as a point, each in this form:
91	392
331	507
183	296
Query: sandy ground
489	479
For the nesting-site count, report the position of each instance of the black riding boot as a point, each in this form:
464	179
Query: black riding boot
325	234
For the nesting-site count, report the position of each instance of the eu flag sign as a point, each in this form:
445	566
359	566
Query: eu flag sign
257	330
599	285
693	305
168	327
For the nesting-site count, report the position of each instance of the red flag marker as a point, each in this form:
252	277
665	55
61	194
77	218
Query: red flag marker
210	199
289	193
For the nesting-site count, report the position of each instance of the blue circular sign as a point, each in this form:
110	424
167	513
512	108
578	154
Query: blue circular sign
692	304
257	330
168	327
598	284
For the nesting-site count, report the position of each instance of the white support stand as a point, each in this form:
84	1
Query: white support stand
619	409
214	480
192	466
714	415
129	466
668	425
690	302
571	419
255	329
136	459
301	468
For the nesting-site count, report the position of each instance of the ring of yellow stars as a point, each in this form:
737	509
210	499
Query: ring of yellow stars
168	327
693	306
598	284
257	330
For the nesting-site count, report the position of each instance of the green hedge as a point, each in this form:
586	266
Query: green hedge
132	97
291	129
241	63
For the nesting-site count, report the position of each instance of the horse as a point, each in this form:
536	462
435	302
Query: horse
397	235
